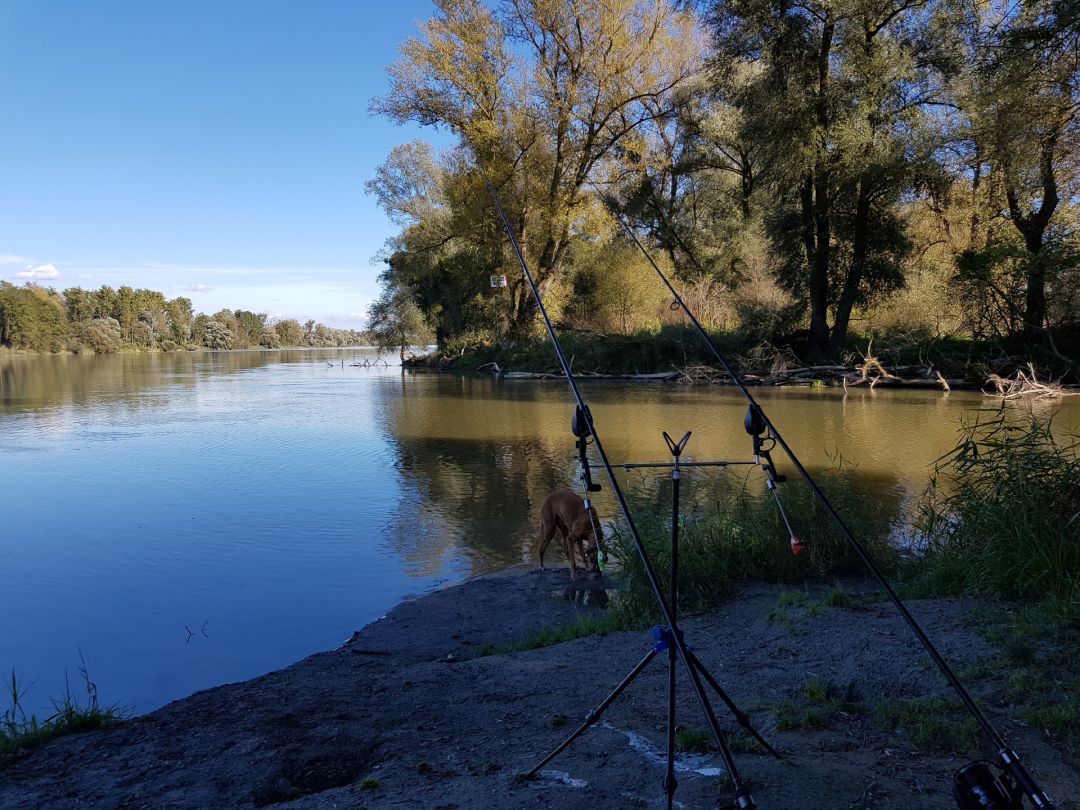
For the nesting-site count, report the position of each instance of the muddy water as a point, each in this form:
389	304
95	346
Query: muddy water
190	519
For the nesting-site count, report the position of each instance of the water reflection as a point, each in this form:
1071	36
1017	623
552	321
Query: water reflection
32	382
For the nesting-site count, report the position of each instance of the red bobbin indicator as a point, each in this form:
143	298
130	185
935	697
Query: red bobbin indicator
797	546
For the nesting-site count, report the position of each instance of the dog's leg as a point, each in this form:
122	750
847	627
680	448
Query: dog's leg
580	545
569	541
547	532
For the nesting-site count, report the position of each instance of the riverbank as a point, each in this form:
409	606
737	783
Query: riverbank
421	710
678	354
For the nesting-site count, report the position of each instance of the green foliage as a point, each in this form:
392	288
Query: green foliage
693	740
937	724
31	317
217	335
739	536
671	348
106	320
541	96
789	716
396	322
838	598
101	335
550	636
1003	513
811	178
1061	720
19	732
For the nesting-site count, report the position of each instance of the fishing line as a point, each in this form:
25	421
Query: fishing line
1008	758
743	798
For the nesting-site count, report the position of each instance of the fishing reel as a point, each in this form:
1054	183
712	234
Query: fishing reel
754	423
763	444
977	787
581	427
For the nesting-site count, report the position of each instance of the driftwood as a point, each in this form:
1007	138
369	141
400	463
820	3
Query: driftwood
1026	386
871	374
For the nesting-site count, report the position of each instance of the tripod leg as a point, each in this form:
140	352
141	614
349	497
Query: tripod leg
740	716
594	715
670	783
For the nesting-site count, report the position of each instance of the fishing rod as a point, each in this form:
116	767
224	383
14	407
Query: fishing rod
974	785
743	798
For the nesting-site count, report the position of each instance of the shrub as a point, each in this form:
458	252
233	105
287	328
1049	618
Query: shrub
101	335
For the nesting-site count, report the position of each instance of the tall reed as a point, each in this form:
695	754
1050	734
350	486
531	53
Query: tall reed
1002	513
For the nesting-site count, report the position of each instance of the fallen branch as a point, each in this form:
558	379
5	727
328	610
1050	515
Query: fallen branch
1025	386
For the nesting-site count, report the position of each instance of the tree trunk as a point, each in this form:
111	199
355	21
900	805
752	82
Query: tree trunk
818	286
816	195
850	293
817	219
1032	226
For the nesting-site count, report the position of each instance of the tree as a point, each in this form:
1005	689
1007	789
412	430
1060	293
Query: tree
81	305
395	321
542	93
180	315
289	332
250	327
1024	101
837	106
100	335
690	180
31	317
217	335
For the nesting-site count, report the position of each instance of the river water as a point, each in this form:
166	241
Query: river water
185	520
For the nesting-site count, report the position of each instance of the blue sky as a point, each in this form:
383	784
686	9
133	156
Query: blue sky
215	149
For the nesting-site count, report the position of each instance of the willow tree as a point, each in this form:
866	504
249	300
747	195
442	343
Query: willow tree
541	93
688	179
836	109
1023	97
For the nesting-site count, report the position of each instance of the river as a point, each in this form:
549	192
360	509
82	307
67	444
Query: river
189	519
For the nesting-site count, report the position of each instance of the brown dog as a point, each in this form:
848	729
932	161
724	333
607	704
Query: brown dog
565	512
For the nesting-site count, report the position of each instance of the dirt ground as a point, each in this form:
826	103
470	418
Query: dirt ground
408	714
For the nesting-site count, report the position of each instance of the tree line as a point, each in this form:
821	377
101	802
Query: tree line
900	167
37	318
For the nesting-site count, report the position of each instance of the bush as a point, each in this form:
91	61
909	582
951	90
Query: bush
1002	514
101	335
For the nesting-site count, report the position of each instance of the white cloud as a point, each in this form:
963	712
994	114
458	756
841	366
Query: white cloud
42	271
199	288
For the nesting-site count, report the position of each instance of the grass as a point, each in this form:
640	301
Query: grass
838	597
738	535
1002	515
20	732
693	740
550	636
821	702
789	716
937	724
1060	720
